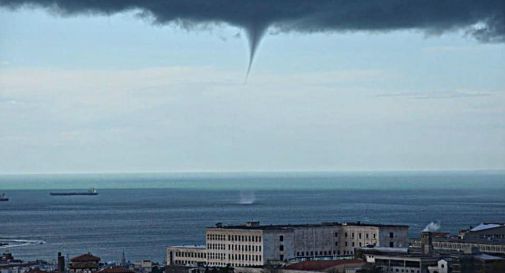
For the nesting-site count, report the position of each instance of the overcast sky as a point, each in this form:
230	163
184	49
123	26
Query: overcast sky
117	94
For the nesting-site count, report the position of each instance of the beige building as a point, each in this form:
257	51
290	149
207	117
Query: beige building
187	255
253	244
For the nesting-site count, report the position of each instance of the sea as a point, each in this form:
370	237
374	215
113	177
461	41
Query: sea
142	214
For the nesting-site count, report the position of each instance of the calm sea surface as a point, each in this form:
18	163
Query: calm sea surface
143	214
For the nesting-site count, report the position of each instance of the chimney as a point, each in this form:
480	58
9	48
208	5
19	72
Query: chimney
427	243
61	263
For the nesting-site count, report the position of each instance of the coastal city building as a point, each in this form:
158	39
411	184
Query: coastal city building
425	258
10	264
486	238
485	231
86	263
187	255
143	266
398	260
253	244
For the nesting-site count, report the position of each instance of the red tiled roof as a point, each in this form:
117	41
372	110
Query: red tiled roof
85	258
322	265
116	269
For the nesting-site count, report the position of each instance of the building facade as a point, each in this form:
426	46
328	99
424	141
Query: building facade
395	262
486	231
253	244
86	263
187	255
486	238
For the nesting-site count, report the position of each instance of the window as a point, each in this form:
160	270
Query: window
281	238
391	244
281	257
281	248
391	235
345	235
336	234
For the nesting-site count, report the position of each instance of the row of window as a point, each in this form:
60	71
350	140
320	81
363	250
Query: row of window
482	247
232	257
244	257
367	235
186	262
216	246
216	256
217	264
240	264
255	248
317	253
190	254
216	237
236	238
323	253
492	236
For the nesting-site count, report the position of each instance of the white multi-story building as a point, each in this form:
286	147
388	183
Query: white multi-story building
253	244
187	255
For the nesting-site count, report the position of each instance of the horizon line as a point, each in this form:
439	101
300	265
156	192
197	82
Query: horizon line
255	172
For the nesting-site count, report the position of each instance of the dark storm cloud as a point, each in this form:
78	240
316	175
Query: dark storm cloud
484	19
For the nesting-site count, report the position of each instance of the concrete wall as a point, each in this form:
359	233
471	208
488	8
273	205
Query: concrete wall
272	245
355	236
400	237
316	241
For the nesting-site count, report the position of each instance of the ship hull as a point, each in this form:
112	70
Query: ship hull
72	193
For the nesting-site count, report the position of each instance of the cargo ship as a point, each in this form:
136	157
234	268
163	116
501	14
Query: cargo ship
4	197
91	191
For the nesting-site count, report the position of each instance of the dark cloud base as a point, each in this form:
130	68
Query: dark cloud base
484	19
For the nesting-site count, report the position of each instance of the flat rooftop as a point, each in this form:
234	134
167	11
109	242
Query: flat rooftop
469	241
189	246
257	226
